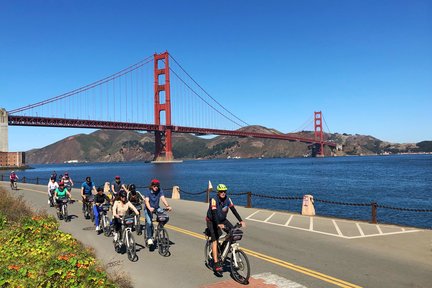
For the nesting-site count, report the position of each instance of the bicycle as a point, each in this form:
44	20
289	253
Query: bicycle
104	221
62	212
229	251
126	238
14	185
137	223
160	234
51	198
88	208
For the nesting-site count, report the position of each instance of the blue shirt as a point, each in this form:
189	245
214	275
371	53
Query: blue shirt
87	188
154	197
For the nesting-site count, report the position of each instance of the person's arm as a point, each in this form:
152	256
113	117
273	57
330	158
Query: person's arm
147	203
82	191
163	199
131	206
114	210
237	215
55	194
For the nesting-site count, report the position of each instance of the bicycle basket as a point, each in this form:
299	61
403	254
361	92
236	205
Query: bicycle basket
129	220
64	201
106	207
90	198
236	234
162	217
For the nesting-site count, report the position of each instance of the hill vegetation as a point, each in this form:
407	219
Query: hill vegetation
118	146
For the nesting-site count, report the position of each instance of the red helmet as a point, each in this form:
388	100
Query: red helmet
155	182
61	183
117	177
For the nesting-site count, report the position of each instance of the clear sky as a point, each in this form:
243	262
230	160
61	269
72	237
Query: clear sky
367	65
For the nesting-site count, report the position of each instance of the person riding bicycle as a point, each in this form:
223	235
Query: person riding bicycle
52	186
116	186
87	189
13	177
67	181
135	198
61	193
99	199
217	219
152	198
54	175
120	209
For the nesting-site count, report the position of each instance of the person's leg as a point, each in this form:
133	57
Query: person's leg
149	223
96	214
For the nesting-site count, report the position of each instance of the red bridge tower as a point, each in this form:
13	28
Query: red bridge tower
162	105
319	135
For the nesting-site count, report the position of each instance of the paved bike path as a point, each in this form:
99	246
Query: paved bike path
297	255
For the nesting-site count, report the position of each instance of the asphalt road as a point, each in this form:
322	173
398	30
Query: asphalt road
298	255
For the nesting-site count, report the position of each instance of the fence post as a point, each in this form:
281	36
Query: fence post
2	177
24	179
37	180
249	200
208	196
374	212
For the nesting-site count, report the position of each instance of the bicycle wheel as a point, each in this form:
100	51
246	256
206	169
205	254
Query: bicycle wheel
65	213
240	268
92	216
208	257
106	226
163	242
131	246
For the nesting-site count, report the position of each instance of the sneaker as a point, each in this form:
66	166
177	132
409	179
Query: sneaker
218	267
150	241
115	236
97	228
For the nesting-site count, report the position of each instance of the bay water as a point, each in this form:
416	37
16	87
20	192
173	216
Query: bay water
402	181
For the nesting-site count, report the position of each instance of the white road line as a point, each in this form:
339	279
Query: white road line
379	229
249	217
289	220
268	218
360	229
311	224
337	228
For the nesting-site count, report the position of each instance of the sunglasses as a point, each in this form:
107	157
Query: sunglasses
222	192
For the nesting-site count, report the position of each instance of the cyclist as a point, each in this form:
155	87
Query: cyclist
61	193
152	198
99	199
116	186
52	186
87	189
120	209
13	177
217	219
54	175
135	198
67	181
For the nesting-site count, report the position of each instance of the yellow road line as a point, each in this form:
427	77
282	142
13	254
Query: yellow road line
276	261
279	262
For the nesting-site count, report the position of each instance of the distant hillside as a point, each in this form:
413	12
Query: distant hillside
118	146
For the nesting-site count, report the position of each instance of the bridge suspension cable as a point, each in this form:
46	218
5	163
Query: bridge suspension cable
86	87
214	100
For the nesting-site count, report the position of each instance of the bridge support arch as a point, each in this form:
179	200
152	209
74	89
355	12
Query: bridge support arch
162	105
4	123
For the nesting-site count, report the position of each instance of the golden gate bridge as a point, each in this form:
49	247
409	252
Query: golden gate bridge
128	100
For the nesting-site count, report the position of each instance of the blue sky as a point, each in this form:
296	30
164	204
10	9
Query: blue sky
367	65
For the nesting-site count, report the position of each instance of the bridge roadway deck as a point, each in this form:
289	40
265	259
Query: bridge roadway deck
285	249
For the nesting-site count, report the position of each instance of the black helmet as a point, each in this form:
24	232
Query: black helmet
88	179
122	193
99	189
132	187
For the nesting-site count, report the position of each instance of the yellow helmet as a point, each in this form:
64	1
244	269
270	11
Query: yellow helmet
221	187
